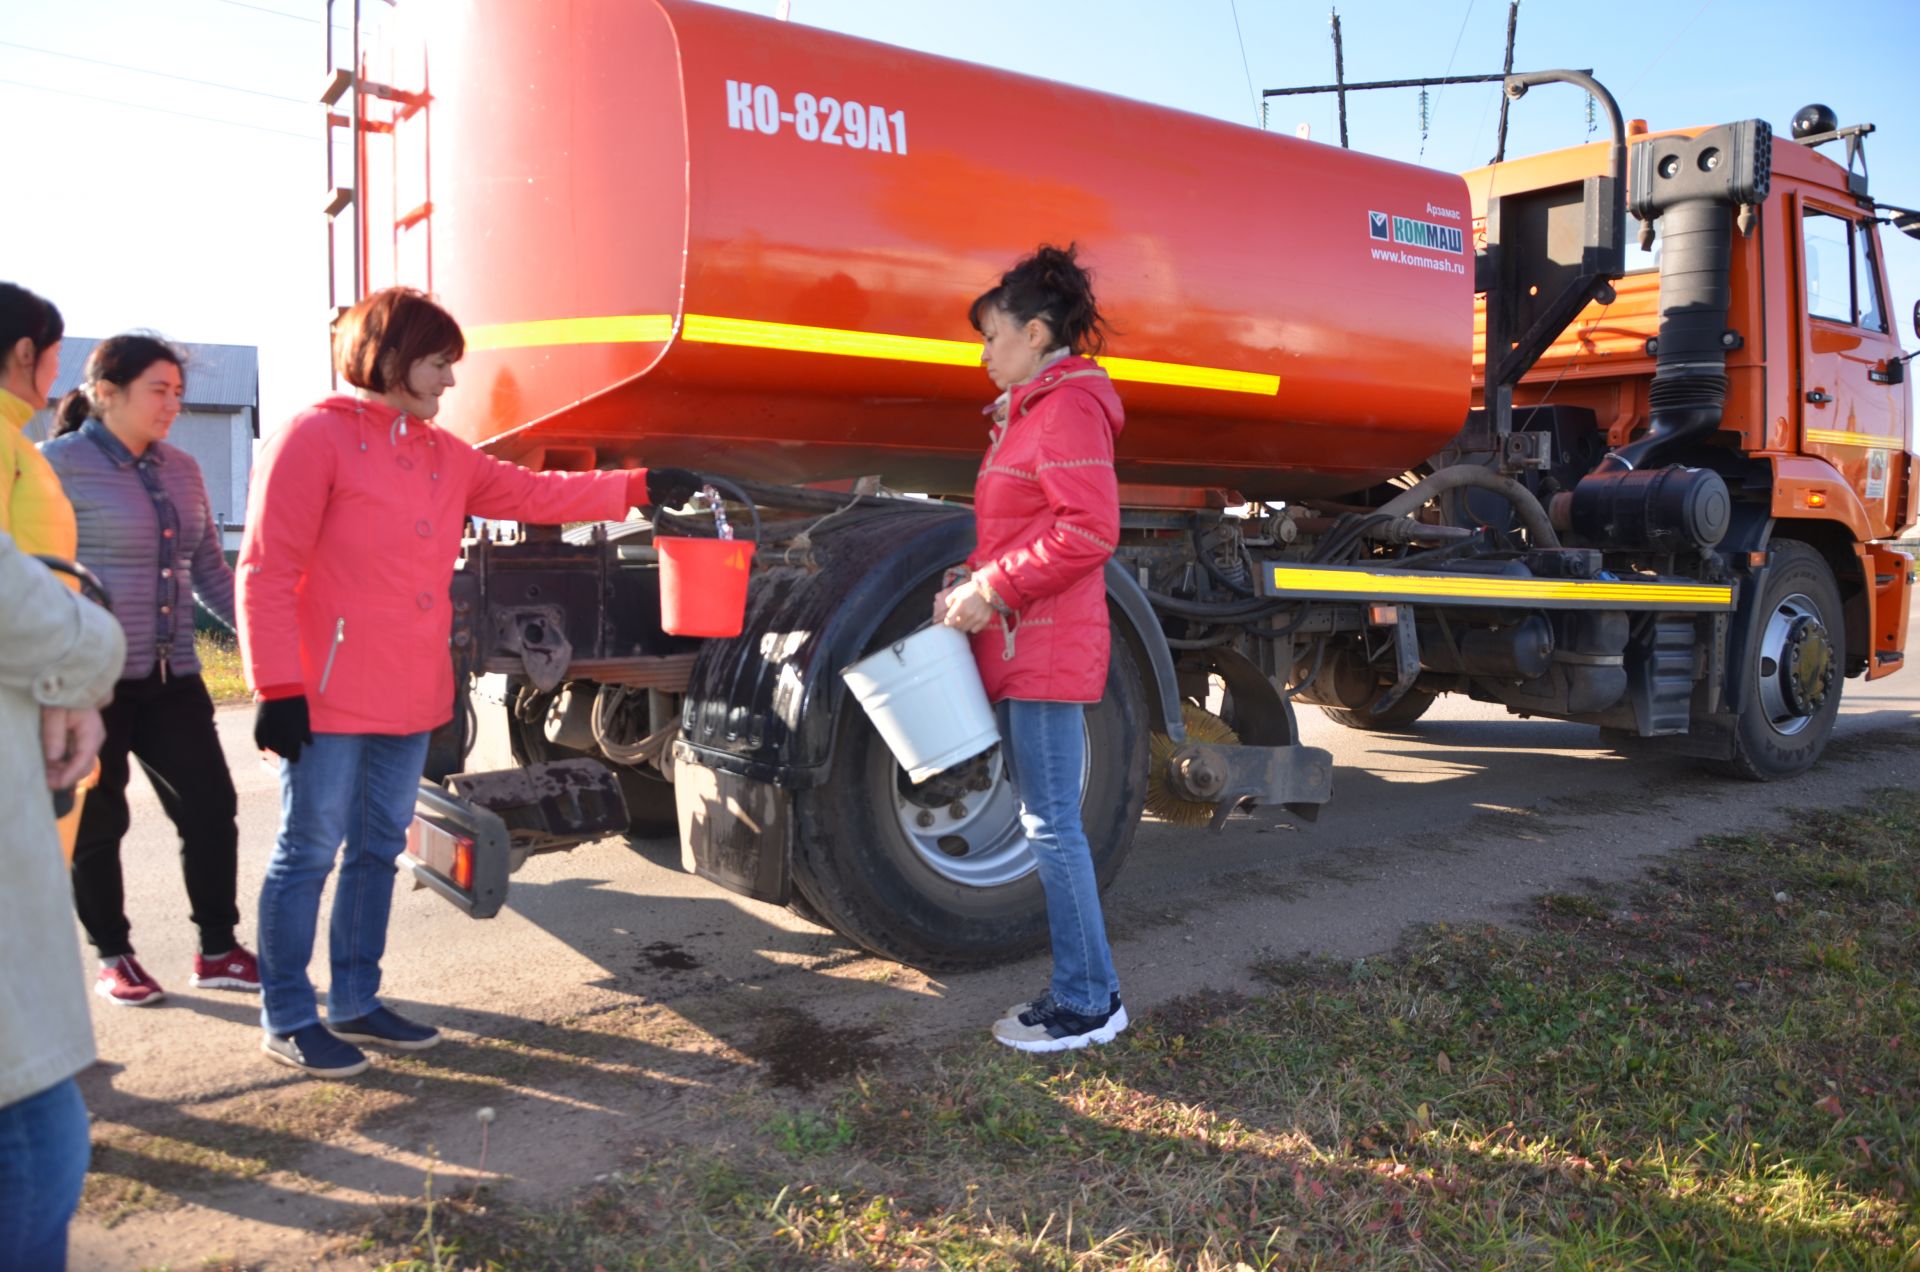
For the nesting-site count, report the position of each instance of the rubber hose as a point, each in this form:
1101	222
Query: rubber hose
1213	570
1532	515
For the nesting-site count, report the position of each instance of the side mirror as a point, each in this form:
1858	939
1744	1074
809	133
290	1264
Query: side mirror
1916	319
1908	223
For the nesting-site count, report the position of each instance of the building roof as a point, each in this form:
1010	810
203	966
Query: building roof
218	376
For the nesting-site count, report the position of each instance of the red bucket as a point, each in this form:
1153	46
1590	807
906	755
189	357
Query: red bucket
703	585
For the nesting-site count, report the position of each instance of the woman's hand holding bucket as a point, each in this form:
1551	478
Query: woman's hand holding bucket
967	606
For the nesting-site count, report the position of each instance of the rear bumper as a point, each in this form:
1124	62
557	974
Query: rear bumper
465	842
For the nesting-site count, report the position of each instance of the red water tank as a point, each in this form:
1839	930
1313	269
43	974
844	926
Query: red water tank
679	234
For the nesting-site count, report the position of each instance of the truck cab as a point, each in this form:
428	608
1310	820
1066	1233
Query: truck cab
1817	424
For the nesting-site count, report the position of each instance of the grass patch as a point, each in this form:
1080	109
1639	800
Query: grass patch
1717	1068
220	667
133	1171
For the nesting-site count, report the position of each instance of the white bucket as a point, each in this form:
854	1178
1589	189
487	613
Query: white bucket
924	695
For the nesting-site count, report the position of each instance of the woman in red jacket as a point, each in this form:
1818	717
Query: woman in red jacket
358	508
1047	510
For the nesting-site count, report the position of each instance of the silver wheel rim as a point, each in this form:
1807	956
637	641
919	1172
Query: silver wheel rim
983	844
1775	649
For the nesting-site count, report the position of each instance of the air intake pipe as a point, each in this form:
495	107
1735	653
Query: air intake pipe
1691	186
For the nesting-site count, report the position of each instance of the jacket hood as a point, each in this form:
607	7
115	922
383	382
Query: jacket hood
1072	374
396	425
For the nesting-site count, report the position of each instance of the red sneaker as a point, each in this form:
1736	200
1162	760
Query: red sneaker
236	969
125	982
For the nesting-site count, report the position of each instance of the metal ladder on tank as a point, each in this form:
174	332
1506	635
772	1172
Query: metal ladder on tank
346	199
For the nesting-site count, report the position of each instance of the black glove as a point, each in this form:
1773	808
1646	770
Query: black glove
280	725
671	487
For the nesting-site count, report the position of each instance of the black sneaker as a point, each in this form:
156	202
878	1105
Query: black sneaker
388	1029
312	1049
1034	1004
1050	1027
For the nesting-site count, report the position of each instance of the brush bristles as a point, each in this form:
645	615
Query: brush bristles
1204	727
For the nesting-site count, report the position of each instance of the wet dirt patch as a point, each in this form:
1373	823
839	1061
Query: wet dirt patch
800	1052
668	957
1866	746
1524	824
1602	804
1257	882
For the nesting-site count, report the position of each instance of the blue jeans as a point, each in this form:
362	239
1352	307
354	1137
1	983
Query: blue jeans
43	1161
356	787
1046	747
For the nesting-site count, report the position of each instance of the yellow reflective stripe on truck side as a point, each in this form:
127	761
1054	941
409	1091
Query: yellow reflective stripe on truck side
1841	437
1337	582
830	341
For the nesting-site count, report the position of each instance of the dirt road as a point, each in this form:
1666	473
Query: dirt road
619	1007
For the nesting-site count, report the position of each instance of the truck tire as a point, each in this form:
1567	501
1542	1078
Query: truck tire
650	810
958	891
1792	685
1412	705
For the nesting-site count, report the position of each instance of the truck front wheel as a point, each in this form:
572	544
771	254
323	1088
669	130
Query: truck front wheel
941	875
1794	670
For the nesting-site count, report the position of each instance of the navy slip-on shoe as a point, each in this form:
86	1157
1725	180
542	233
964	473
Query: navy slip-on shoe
386	1028
311	1049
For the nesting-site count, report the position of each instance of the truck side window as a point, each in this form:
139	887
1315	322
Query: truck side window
1829	267
1873	315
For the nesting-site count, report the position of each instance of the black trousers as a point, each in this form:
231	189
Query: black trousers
168	726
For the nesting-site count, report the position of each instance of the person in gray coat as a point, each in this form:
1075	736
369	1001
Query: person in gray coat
147	529
59	656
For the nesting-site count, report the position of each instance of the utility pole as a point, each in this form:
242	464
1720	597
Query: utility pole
1513	20
1340	79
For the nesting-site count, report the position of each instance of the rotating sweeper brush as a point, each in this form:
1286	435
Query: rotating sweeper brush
1203	727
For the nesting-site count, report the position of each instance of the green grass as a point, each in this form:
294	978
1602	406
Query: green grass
220	667
1716	1067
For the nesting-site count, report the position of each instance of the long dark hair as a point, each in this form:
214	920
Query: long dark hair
24	315
119	360
1052	286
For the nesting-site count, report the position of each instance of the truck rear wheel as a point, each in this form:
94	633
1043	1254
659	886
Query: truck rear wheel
941	875
1794	673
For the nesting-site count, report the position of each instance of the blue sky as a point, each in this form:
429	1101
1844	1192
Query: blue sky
165	167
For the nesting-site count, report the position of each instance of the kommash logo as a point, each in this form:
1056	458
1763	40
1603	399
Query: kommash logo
1411	233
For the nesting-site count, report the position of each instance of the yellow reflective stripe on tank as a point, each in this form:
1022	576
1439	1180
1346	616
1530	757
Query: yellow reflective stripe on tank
1468	587
1190	377
618	329
794	338
1840	437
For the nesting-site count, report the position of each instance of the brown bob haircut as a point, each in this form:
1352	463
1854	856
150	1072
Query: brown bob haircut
377	342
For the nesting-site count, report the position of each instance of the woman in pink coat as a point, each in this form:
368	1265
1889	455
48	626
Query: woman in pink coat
358	508
1047	509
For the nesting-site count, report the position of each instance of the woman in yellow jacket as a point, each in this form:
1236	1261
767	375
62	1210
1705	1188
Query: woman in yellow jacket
33	508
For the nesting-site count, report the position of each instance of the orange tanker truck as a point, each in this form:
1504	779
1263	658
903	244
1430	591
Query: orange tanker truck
1392	433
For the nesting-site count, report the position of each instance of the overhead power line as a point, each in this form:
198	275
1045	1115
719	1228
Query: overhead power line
1259	108
282	13
1443	88
159	110
278	13
141	70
